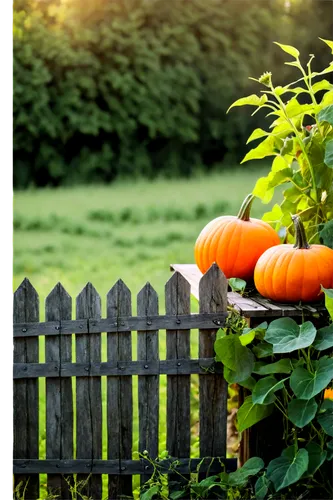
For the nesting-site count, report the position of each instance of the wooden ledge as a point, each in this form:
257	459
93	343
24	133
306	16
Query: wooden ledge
252	306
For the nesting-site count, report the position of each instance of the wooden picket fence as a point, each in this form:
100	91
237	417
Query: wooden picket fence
82	455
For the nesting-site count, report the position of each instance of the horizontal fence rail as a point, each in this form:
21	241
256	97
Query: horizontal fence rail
75	429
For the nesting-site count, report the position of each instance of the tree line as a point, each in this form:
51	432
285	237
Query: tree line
128	88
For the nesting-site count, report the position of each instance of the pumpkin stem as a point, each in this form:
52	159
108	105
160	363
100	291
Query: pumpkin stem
301	241
244	212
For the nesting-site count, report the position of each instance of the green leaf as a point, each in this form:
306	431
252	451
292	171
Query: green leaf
289	49
153	490
261	488
328	297
326	238
274	215
285	470
250	413
251	100
316	458
328	42
250	468
326	421
178	494
326	114
287	336
261	190
263	391
328	159
327	404
237	284
282	366
306	385
235	356
324	338
263	350
279	163
301	411
257	134
265	148
246	338
322	85
233	377
330	450
250	333
295	109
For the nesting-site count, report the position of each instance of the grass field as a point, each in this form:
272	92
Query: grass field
128	231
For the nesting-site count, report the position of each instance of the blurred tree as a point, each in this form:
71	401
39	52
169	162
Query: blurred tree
107	88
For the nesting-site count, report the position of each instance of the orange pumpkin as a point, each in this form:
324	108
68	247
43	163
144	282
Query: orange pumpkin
291	273
234	243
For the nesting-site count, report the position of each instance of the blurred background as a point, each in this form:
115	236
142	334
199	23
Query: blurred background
120	125
123	150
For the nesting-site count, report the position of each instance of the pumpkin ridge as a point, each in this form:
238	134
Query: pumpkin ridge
206	242
279	262
321	269
290	268
235	257
218	234
304	257
232	232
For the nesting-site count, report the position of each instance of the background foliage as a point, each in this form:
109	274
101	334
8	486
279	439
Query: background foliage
129	88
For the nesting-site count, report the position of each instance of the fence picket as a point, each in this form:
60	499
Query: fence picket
88	391
148	386
213	389
177	301
59	398
119	391
25	392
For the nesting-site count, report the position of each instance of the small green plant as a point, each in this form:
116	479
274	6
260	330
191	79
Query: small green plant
287	367
301	140
76	490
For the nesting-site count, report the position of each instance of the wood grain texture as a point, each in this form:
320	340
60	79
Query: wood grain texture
119	390
148	386
177	301
213	389
117	467
122	323
88	391
117	369
59	398
25	392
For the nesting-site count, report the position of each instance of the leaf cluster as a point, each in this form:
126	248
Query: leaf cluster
300	138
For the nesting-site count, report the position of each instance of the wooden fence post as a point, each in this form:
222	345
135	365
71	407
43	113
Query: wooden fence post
59	397
148	385
213	389
25	391
177	302
88	391
119	391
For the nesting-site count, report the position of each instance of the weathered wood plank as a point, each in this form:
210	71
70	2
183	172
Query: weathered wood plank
277	310
248	306
88	391
25	392
59	403
117	369
148	386
120	467
213	389
119	390
125	323
177	301
191	273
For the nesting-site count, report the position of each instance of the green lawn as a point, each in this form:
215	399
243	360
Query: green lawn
99	234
